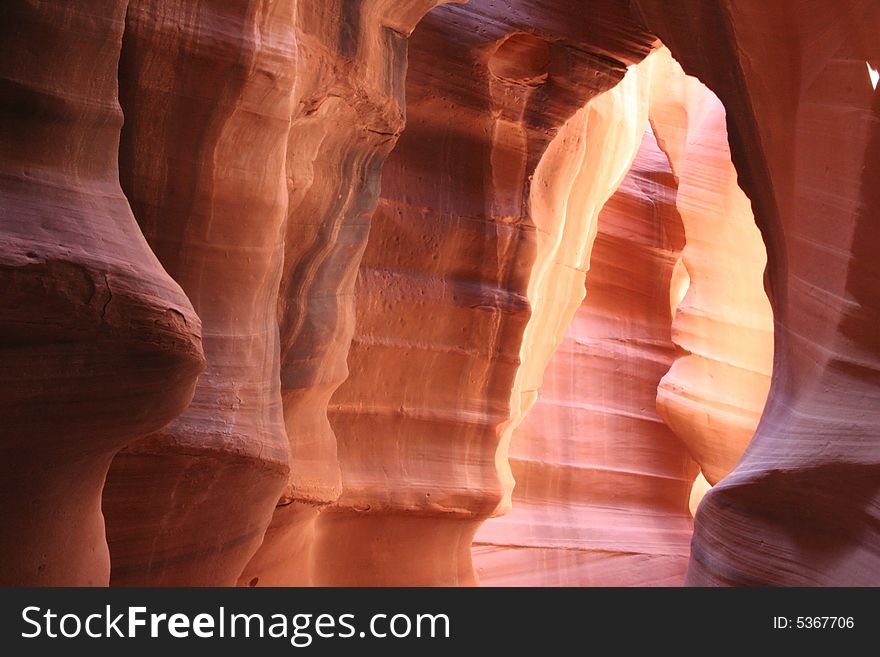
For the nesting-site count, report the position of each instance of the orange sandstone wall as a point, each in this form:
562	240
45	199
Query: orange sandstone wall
375	337
442	360
349	112
801	506
602	484
98	345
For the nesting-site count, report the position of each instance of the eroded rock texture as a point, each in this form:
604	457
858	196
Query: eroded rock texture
714	394
602	484
98	345
802	505
603	487
349	112
459	251
365	404
207	91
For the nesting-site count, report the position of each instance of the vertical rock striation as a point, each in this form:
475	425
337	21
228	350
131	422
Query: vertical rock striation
364	405
207	92
348	115
98	346
466	236
715	392
802	505
602	485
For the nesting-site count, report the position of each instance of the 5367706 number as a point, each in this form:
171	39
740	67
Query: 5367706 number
821	622
813	622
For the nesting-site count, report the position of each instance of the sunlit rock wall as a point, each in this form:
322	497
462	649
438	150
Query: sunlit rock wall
602	484
802	505
350	109
365	404
472	270
715	392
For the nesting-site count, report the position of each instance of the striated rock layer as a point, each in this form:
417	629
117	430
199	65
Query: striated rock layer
98	346
714	394
348	114
251	155
602	491
602	484
802	505
207	88
469	236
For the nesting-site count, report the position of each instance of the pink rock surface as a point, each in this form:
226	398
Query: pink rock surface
602	484
98	345
801	506
207	92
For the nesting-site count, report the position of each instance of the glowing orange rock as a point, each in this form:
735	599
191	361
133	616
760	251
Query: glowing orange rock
713	395
801	505
602	484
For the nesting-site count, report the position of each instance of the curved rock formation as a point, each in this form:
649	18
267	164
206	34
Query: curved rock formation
602	485
99	345
207	92
713	395
446	285
349	113
337	438
802	505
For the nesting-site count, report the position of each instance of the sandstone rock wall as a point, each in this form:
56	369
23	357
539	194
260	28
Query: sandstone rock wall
801	506
602	484
348	115
469	236
98	345
207	92
714	394
603	487
206	181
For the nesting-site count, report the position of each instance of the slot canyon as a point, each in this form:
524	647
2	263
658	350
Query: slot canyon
440	293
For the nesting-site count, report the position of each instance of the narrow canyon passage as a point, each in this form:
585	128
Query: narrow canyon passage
414	292
603	484
461	261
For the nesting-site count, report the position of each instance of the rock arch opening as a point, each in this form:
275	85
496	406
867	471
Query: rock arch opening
660	379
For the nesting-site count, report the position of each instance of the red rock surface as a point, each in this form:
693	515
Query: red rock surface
207	92
98	345
801	506
602	484
376	333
